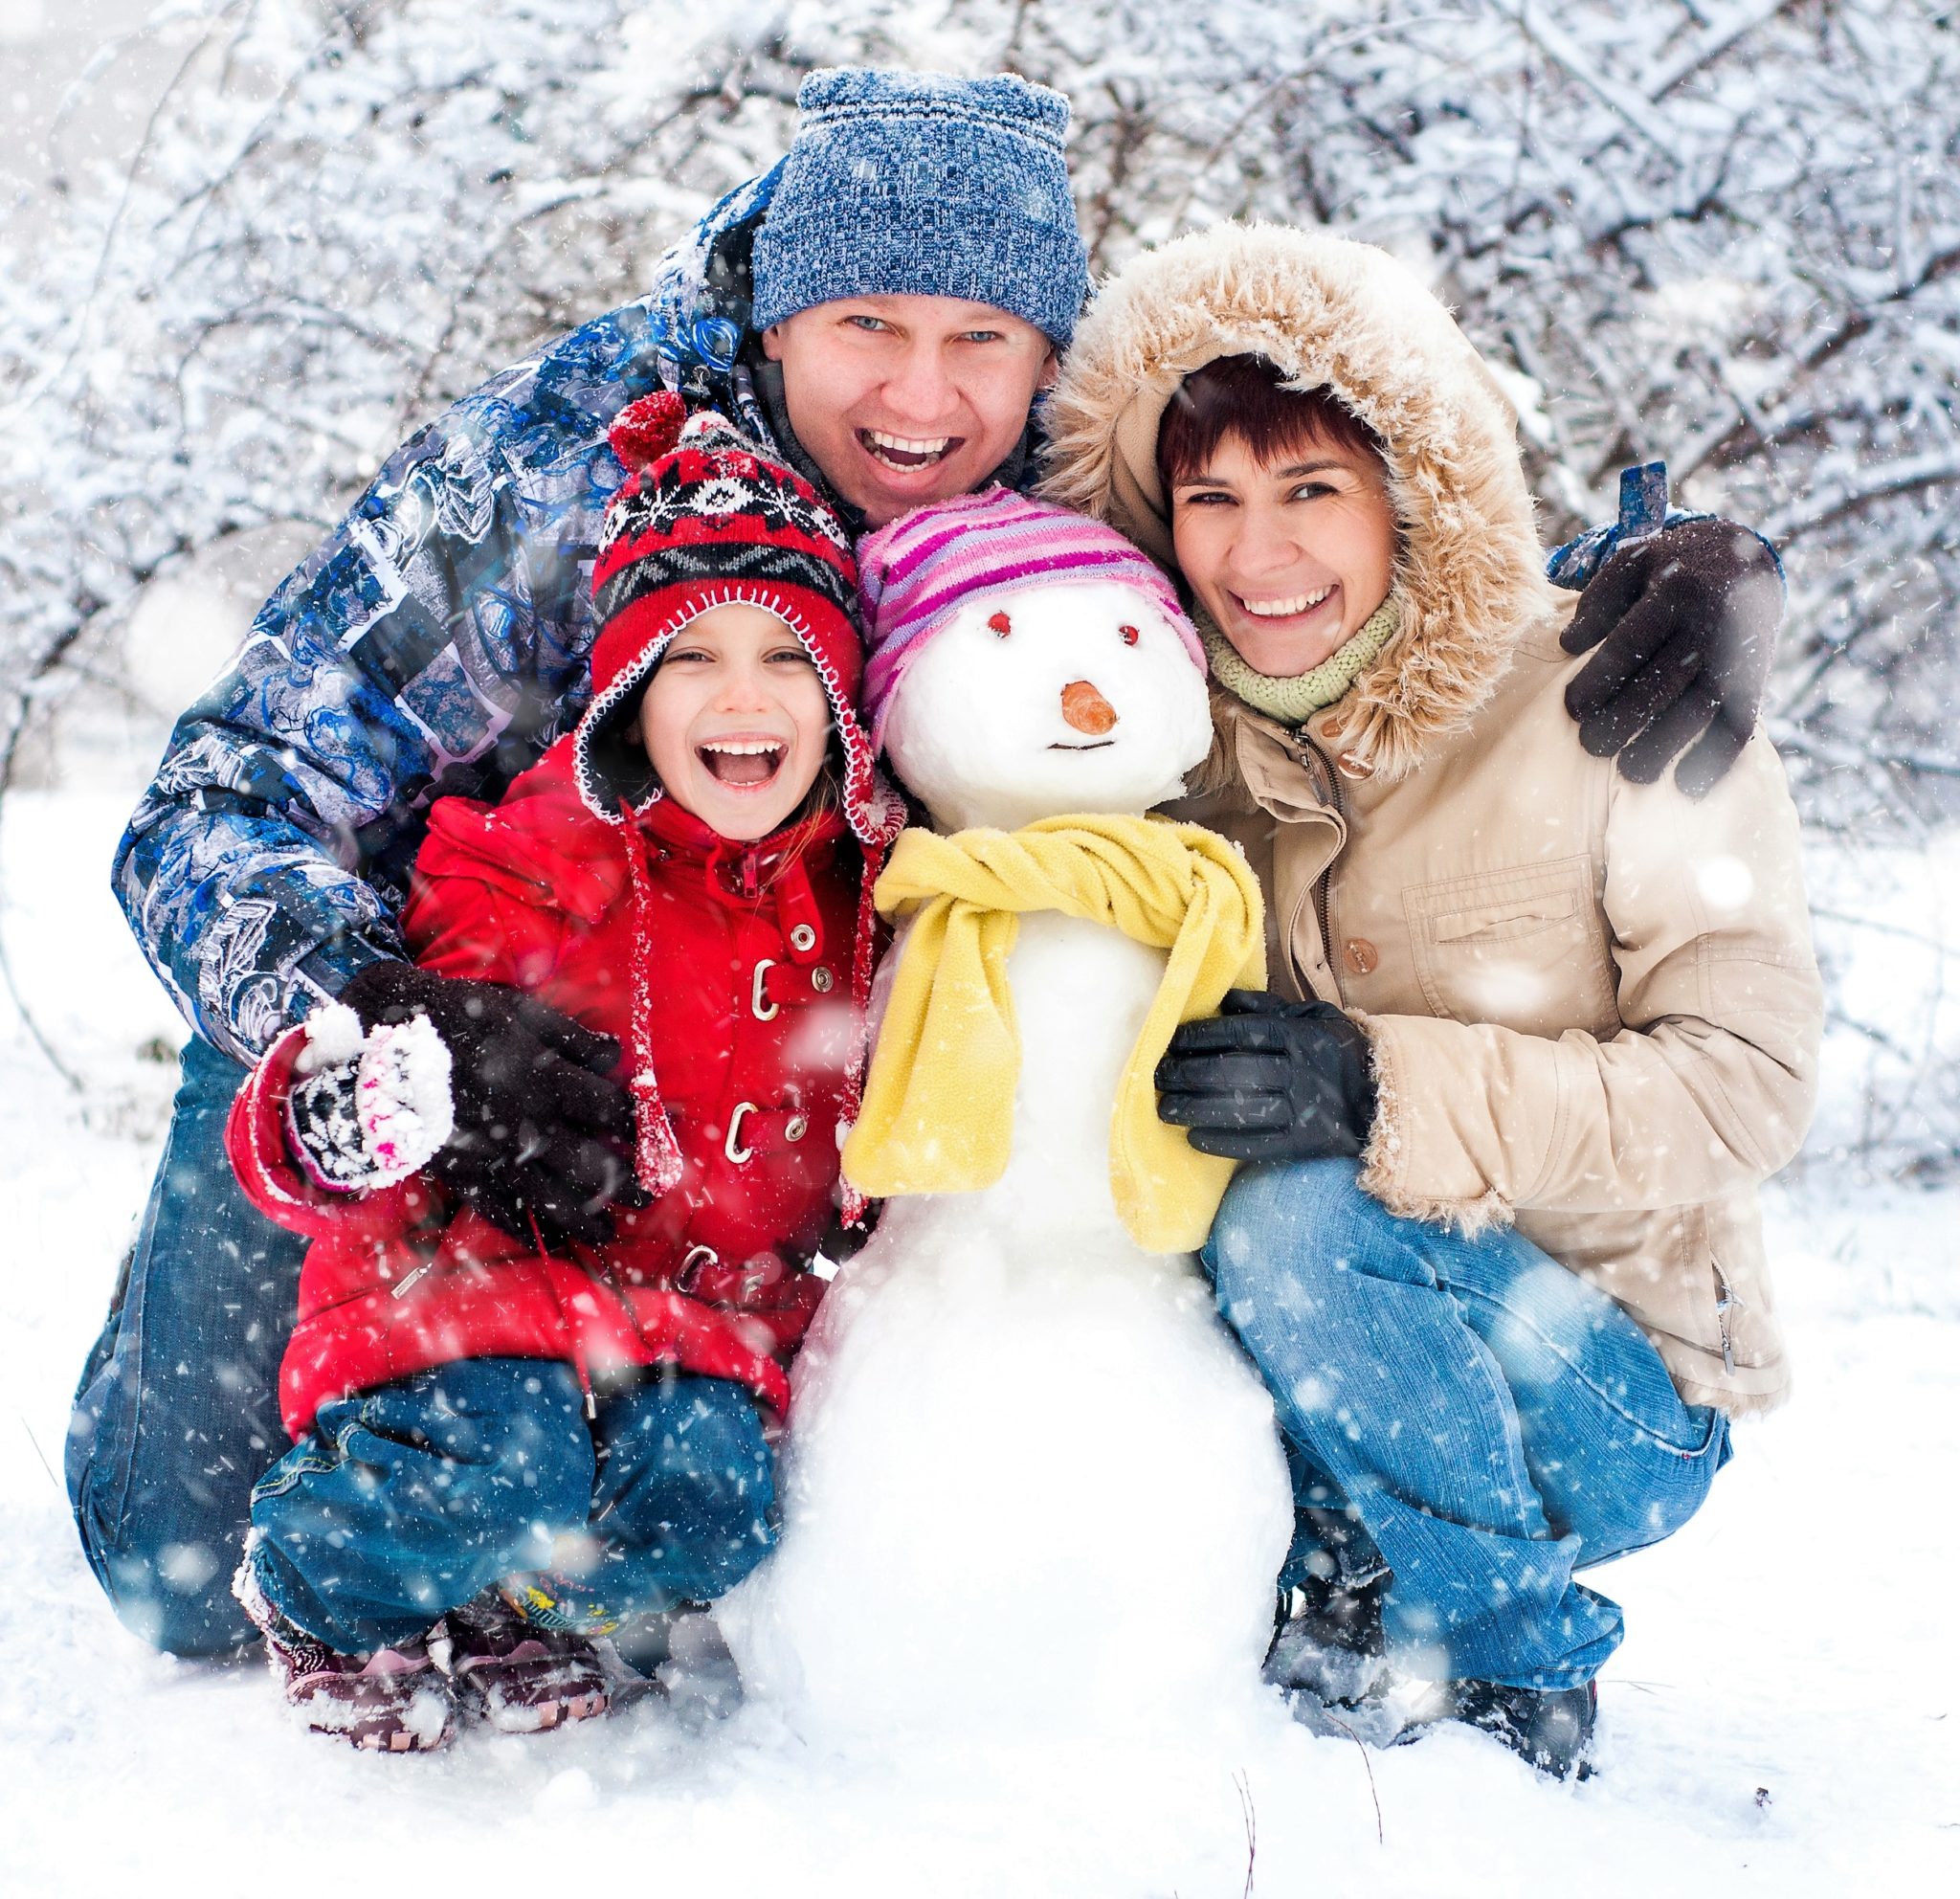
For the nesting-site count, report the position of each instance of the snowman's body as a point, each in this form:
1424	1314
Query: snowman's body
1030	1481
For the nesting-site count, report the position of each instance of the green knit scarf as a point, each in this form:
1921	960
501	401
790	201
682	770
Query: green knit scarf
1295	700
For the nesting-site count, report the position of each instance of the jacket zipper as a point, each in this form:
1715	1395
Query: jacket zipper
1319	768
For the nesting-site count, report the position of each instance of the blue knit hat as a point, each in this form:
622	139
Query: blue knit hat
925	185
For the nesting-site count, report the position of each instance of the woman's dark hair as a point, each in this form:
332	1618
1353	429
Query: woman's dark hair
1247	397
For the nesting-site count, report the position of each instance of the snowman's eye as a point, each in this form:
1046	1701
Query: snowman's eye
1001	625
1129	635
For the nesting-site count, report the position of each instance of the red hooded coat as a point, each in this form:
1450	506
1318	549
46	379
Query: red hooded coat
747	950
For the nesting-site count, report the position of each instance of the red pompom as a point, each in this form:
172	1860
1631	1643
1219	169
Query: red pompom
647	430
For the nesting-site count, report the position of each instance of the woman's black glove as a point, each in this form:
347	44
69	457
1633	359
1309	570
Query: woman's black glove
1686	622
542	1129
1269	1080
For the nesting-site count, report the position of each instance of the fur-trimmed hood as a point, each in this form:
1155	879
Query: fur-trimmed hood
1327	311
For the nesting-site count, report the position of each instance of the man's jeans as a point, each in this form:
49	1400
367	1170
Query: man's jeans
1467	1415
177	1413
406	1501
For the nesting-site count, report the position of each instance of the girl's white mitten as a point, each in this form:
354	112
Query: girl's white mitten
367	1110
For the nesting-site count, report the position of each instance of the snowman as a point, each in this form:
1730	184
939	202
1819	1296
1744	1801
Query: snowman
1030	1484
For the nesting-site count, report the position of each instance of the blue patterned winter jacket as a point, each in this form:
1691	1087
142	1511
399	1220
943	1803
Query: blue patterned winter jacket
437	643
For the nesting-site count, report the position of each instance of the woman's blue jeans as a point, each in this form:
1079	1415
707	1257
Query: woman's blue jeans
406	1501
1465	1414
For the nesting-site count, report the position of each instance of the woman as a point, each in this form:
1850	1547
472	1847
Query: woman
1536	1033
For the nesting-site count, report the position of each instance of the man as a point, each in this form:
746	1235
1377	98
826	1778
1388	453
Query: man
883	308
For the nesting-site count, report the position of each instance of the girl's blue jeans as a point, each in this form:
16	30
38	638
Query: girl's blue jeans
1466	1415
405	1502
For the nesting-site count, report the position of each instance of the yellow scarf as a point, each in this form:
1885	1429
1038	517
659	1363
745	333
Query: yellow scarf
939	1102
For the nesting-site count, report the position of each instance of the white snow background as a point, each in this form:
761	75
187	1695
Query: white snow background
1782	1717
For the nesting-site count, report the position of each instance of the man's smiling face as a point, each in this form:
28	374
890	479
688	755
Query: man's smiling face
904	400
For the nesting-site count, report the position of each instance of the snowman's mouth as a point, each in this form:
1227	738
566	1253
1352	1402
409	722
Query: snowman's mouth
746	763
1094	745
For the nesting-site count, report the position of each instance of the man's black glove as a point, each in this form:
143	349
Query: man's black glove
1269	1080
1686	622
542	1130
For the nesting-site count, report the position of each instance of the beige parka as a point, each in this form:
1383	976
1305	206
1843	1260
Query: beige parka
1594	1005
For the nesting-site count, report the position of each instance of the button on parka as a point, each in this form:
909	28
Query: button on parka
1594	1005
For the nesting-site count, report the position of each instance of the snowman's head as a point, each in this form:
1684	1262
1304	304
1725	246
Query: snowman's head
1027	661
1069	697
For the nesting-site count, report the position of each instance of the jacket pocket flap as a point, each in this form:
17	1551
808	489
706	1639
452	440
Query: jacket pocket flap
1516	916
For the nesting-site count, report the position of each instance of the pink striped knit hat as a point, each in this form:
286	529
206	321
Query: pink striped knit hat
914	575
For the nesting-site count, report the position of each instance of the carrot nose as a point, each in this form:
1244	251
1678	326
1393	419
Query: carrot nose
1086	709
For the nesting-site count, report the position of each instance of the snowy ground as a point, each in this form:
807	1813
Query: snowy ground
1780	1717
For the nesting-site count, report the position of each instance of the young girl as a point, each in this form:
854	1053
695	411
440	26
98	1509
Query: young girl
498	1450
